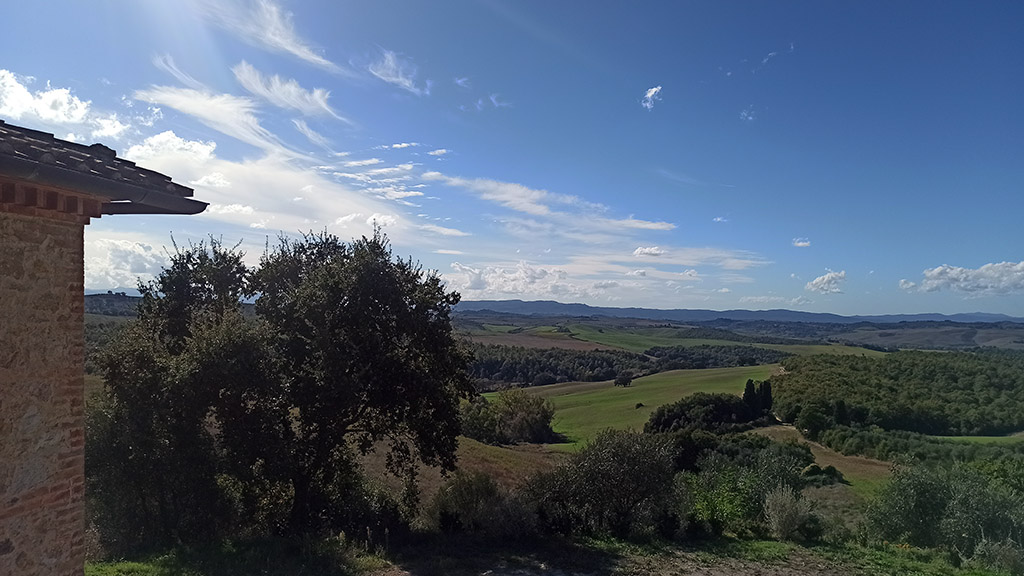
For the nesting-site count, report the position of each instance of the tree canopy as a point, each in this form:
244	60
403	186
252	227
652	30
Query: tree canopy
211	415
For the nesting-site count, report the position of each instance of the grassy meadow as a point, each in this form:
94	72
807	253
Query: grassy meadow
582	409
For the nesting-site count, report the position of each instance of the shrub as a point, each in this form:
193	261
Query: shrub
473	503
514	416
1005	555
619	484
785	512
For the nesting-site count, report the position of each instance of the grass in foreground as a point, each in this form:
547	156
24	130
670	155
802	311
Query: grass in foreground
464	556
265	557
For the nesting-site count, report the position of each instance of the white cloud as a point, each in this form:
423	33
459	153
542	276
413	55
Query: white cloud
719	219
394	70
212	180
230	115
195	152
367	162
638	224
118	263
801	242
648	251
636	273
394	192
283	93
462	82
510	195
451	252
310	134
748	114
829	283
348	218
993	279
497	103
403	145
521	280
263	23
650	97
438	152
723	290
108	127
52	105
229	209
166	63
604	285
382	220
442	230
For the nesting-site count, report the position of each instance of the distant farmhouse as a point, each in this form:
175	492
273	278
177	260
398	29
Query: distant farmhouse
49	191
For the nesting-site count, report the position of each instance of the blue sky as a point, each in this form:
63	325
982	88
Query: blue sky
855	158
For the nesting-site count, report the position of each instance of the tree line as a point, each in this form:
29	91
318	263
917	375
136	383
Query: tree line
495	365
948	394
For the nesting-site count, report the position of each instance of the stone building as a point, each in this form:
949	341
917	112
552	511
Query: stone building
49	190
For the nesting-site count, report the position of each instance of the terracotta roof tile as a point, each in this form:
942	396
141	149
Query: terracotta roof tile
97	161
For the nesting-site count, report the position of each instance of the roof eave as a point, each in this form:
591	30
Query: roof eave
122	194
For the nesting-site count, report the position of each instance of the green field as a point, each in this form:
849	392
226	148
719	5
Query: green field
1012	439
582	409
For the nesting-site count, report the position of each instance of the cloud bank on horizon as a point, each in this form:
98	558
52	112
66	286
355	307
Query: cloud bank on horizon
546	181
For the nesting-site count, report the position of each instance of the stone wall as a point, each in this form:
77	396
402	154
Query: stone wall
42	431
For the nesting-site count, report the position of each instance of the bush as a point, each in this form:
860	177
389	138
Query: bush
514	416
473	503
785	512
1005	555
618	484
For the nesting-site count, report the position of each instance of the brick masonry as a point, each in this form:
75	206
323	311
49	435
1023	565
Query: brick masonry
42	424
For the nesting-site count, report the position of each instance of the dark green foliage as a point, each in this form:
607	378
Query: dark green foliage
957	508
495	364
514	416
532	366
369	356
624	379
875	442
473	503
713	412
151	454
708	356
954	393
751	398
618	484
221	425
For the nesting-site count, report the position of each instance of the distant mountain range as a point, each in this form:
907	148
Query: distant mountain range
121	304
551	308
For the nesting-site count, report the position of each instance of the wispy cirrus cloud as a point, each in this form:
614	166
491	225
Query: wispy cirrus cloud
398	71
366	162
231	115
651	96
312	135
443	231
993	279
438	152
263	23
166	63
287	94
801	242
829	283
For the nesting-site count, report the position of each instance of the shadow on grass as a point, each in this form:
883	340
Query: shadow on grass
275	557
458	555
